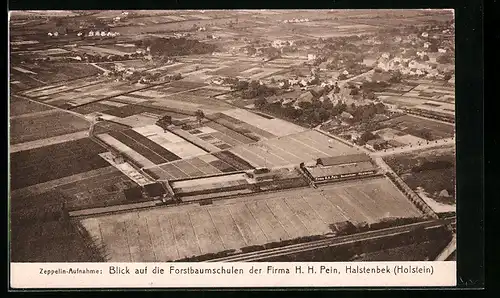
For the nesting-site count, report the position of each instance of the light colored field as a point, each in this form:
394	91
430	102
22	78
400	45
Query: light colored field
112	103
170	141
136	120
409	139
206	181
47	90
170	233
275	126
22	42
129	99
103	51
291	150
48	141
24	70
52	51
266	72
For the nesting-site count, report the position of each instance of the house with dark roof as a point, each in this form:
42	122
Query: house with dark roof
343	159
340	168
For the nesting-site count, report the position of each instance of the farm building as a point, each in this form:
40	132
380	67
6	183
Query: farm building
340	167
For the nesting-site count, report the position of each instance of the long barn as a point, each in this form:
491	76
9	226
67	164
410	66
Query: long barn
340	167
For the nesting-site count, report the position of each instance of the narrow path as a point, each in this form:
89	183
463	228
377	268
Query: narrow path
98	67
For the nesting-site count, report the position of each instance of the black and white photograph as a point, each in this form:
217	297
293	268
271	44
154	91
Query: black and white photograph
232	136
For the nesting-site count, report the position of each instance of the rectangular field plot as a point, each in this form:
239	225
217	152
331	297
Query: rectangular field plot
102	189
205	92
274	126
44	126
95	107
130	110
291	149
63	87
55	161
412	125
230	133
204	165
184	231
19	106
144	146
206	233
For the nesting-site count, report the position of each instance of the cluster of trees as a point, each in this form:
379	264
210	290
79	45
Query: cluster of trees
374	86
310	113
365	137
149	77
444	59
253	89
110	58
349	228
364	113
176	46
164	121
271	52
396	77
316	111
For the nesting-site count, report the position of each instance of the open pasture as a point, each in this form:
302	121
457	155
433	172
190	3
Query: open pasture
173	233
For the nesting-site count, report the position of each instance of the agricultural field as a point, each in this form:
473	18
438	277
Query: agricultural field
252	125
51	241
33	166
138	26
319	30
94	188
57	72
291	150
43	125
44	93
173	233
20	106
414	125
203	165
429	172
150	145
